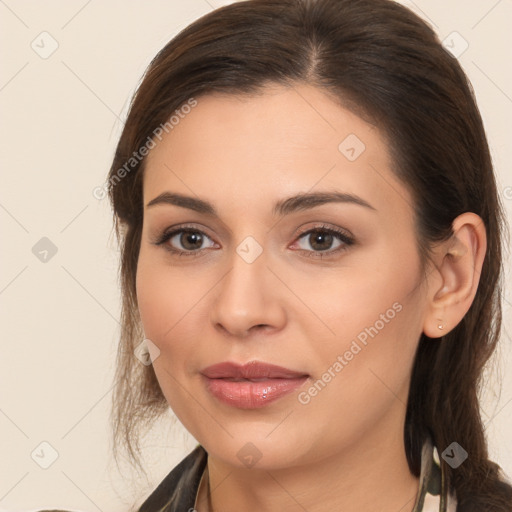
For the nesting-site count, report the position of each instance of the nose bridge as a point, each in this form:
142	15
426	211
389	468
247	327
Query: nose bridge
246	296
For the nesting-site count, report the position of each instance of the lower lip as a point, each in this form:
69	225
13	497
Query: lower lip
252	395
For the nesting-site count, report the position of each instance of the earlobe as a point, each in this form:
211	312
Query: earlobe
453	284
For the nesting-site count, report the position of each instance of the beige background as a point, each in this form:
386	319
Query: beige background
61	119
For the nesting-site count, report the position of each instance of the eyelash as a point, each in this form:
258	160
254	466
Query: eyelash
346	239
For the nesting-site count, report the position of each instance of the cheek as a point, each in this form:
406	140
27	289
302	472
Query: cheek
165	302
363	372
173	307
164	298
371	318
155	300
358	300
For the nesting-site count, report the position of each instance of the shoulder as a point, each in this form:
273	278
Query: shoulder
178	489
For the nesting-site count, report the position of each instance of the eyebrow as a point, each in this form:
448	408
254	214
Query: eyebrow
299	202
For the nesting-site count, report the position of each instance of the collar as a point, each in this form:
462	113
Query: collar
433	494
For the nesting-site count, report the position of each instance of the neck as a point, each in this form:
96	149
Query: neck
370	474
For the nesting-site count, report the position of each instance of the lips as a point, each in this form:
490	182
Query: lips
251	386
254	371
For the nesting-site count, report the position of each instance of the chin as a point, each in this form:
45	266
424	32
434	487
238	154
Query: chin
258	450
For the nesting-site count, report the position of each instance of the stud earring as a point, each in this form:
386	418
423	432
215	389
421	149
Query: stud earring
440	327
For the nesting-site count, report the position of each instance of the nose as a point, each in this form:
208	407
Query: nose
247	299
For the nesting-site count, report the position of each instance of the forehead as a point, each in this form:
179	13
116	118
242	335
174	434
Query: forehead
255	149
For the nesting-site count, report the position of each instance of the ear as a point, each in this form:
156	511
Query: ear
453	283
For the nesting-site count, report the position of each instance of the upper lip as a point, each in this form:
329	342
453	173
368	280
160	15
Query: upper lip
250	370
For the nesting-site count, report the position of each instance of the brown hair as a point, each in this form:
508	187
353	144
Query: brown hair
383	62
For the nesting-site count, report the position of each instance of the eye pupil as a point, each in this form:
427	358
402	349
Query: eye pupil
321	237
191	240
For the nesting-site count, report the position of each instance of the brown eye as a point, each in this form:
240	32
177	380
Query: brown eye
320	240
190	240
185	241
324	241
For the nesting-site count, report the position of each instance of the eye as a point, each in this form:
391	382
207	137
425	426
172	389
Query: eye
185	241
188	241
321	239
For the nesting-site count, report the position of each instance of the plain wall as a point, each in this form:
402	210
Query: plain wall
61	117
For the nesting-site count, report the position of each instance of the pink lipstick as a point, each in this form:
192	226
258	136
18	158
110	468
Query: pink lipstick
252	385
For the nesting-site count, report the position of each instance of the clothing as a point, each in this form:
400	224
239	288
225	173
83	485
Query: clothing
178	491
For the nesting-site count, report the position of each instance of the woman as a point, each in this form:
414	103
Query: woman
311	252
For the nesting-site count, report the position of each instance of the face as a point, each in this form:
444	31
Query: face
329	288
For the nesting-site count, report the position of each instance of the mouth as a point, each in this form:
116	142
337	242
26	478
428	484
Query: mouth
253	370
251	386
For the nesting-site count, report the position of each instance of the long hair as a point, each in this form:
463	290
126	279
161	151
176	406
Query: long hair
382	62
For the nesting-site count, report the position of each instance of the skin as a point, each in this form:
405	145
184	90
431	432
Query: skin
344	449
